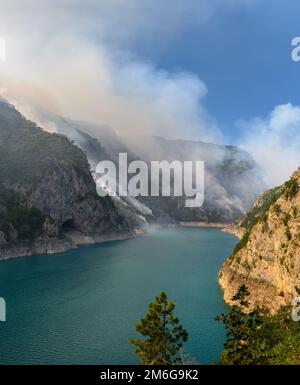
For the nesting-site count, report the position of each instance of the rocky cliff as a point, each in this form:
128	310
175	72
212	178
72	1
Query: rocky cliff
267	258
48	199
232	181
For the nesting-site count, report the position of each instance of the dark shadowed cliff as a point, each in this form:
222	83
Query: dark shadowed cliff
48	199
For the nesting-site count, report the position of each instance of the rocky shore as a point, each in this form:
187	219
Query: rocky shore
60	245
235	230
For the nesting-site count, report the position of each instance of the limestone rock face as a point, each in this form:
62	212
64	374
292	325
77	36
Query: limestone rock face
70	199
47	191
267	259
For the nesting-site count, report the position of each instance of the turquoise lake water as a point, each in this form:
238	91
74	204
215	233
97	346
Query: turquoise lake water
81	307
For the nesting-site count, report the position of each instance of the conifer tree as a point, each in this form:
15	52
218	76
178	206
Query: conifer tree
164	335
245	344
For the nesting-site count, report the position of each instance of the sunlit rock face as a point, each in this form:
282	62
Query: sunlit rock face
267	260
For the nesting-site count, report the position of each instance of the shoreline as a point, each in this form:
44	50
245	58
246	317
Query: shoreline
76	239
60	245
203	224
154	226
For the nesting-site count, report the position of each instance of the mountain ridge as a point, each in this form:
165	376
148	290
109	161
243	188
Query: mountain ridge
232	177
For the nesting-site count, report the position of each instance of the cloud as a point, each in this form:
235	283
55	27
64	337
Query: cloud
74	78
78	58
274	142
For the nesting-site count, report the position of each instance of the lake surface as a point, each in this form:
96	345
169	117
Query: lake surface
81	307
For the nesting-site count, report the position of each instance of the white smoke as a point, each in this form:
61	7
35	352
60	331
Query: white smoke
77	59
67	57
134	97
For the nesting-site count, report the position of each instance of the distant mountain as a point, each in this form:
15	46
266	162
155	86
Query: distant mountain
232	181
48	199
267	259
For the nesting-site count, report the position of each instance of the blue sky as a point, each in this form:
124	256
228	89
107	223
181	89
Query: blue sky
243	55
